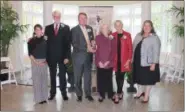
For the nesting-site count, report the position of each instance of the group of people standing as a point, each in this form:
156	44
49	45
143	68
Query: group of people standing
113	52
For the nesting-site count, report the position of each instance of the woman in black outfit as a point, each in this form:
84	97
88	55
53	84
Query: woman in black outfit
37	54
146	49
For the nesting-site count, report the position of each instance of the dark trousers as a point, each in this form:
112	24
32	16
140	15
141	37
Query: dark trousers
104	82
120	81
70	79
62	77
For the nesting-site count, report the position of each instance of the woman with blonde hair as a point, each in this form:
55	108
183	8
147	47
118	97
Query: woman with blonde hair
104	58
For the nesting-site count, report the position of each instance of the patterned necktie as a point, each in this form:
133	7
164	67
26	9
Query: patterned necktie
56	29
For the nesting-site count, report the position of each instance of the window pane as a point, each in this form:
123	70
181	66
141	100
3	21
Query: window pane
71	10
122	11
126	21
137	11
137	21
32	14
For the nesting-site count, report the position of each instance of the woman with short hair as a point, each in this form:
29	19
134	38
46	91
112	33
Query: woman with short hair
122	63
104	59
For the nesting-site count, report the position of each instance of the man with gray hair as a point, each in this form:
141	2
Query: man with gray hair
58	53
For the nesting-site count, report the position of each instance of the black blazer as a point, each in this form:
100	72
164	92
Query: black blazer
58	47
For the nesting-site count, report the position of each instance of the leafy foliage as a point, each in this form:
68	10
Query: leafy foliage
69	66
10	27
179	13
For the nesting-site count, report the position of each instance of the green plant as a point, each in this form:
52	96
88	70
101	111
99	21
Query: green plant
178	28
69	66
10	27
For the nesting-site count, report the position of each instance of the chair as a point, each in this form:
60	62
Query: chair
9	70
179	71
162	61
171	65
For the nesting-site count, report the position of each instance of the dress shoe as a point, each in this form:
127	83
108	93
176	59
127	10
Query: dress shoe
145	101
137	97
65	97
51	97
116	99
42	102
79	98
90	98
121	96
100	99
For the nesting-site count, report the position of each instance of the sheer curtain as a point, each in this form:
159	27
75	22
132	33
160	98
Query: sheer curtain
130	15
32	14
163	23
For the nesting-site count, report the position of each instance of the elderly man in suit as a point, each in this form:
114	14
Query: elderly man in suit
58	53
83	49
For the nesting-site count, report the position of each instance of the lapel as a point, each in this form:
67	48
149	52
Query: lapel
53	29
89	33
81	33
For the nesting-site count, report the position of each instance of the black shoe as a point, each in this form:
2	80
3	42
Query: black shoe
100	99
116	100
137	97
71	89
65	97
79	98
51	97
42	102
90	98
120	96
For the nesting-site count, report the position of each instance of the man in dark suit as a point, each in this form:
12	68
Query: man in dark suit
58	52
82	39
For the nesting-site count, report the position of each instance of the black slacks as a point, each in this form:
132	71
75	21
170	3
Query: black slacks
120	81
104	82
62	77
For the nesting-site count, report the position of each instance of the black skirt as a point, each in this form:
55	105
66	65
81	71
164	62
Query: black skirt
143	75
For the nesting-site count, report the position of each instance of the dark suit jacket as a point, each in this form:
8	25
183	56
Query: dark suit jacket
78	40
58	47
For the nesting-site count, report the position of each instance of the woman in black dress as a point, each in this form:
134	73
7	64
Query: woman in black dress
146	71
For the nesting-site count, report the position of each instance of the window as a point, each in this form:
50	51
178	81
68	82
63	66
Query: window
32	14
130	16
162	23
69	14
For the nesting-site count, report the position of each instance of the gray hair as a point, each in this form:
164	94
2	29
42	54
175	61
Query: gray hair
118	21
56	12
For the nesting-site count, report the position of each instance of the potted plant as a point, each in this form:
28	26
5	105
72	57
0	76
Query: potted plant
179	13
10	28
178	28
128	76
